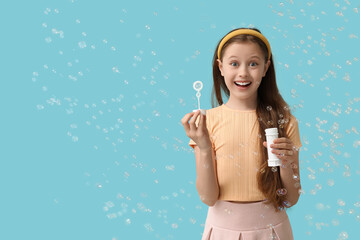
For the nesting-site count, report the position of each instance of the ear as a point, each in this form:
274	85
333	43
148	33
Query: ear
220	65
267	65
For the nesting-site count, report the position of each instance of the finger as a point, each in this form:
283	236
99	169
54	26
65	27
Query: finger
281	146
283	153
265	144
186	117
282	143
282	140
185	121
193	120
202	123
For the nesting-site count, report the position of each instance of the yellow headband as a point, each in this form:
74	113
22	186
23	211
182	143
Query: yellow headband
244	31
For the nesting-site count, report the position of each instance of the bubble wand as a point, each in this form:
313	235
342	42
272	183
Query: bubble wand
198	85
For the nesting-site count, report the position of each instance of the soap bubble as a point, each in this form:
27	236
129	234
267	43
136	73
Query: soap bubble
227	211
295	148
320	206
340	211
148	227
294	166
281	121
335	222
331	182
343	235
272	235
308	217
281	191
192	220
341	202
274	169
269	108
82	44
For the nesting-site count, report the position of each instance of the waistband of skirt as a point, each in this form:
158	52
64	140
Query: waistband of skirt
244	216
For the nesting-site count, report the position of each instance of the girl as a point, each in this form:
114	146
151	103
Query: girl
246	198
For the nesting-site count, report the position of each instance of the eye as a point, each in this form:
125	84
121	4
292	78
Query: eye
234	64
253	64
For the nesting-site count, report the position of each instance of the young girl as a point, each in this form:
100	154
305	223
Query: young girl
246	198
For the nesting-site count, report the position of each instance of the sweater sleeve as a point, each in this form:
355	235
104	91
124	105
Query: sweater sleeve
293	133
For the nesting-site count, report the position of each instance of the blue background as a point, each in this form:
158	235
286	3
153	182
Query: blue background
92	94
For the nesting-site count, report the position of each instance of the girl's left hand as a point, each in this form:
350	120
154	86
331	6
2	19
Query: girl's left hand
285	150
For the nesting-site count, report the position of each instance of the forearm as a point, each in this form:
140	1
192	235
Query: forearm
291	184
206	180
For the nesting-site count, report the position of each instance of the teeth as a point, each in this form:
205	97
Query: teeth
242	83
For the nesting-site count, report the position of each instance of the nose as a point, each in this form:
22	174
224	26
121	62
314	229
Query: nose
242	70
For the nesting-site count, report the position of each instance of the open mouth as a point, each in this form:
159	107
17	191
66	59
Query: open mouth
243	84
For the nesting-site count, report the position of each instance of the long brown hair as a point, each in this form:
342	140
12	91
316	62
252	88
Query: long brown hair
272	111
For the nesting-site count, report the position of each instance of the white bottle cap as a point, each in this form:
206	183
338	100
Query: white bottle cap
271	131
202	111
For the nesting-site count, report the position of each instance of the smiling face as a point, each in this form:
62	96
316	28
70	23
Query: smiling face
243	67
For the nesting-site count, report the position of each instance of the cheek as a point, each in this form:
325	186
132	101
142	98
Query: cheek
225	72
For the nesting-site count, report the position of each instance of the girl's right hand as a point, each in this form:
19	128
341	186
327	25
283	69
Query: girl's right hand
200	134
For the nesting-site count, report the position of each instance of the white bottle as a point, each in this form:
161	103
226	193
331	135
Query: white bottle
271	134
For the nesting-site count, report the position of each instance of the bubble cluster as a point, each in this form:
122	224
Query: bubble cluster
287	204
270	122
128	103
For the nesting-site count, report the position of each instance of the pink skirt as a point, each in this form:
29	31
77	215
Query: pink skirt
246	221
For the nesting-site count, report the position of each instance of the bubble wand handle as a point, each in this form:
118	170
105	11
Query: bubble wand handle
198	97
198	85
